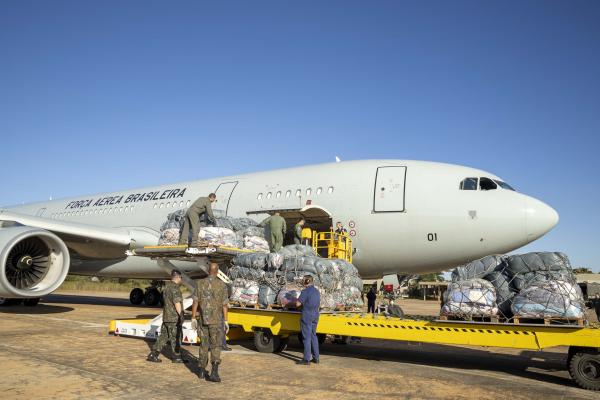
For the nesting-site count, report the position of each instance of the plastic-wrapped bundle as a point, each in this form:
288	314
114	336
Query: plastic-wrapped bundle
223	222
532	262
241	224
251	260
504	292
253	231
294	250
266	295
554	298
256	243
288	295
352	297
328	301
244	291
275	261
301	263
479	268
473	297
169	237
252	274
218	236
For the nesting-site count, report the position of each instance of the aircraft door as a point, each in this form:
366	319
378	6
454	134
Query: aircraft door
389	189
223	193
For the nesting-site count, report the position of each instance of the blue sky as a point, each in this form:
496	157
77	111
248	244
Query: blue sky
100	96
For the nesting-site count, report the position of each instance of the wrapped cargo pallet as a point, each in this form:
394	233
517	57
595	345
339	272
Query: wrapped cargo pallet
244	292
470	298
288	295
549	299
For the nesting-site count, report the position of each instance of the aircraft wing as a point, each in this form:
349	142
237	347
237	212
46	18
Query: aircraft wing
85	240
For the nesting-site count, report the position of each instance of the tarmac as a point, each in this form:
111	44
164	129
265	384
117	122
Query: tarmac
61	350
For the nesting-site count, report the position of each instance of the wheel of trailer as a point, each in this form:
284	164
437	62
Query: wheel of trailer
584	368
136	296
266	342
31	302
152	297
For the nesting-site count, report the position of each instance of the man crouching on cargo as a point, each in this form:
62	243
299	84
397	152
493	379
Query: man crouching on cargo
309	300
211	296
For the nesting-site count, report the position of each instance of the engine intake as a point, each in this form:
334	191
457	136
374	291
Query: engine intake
33	262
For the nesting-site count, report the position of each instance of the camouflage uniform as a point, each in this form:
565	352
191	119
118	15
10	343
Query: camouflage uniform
211	295
277	227
168	330
201	206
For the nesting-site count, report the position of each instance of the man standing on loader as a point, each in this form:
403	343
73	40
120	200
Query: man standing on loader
278	228
202	206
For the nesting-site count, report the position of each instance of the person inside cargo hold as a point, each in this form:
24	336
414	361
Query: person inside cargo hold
277	227
298	231
309	300
201	207
371	297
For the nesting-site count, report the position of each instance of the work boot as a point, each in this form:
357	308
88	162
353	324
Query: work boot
214	373
303	362
203	373
153	357
226	348
314	361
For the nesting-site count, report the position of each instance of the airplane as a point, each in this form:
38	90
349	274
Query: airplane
404	217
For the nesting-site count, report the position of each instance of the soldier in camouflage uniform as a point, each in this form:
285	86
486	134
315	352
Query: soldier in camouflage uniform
211	302
278	228
172	316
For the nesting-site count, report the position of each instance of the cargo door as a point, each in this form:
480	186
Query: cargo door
389	189
223	192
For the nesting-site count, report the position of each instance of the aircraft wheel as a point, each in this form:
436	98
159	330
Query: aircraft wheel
266	342
152	297
136	296
31	302
584	368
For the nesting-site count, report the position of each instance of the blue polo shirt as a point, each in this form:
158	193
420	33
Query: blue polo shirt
310	298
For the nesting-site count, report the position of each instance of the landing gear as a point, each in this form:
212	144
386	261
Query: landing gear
136	297
152	296
584	367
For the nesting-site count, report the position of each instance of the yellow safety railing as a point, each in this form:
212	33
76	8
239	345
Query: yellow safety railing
334	245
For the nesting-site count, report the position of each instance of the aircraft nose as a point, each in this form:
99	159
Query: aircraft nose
541	218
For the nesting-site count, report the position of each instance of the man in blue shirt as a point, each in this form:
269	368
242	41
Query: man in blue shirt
309	300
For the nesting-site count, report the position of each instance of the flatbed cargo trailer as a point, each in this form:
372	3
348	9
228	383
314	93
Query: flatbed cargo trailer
271	329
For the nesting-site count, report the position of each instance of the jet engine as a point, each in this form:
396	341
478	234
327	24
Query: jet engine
33	262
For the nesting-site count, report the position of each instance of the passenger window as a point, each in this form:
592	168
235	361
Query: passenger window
330	190
259	196
161	205
319	190
180	204
308	191
269	195
487	184
187	204
468	184
298	193
278	195
288	193
168	204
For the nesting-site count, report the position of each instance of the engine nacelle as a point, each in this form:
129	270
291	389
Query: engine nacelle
33	262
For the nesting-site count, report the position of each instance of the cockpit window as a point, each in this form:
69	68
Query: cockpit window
504	185
487	184
468	184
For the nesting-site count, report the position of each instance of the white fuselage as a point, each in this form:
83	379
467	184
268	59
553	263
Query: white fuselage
415	220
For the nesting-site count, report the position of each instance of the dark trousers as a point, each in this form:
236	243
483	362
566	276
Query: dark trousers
371	307
309	339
